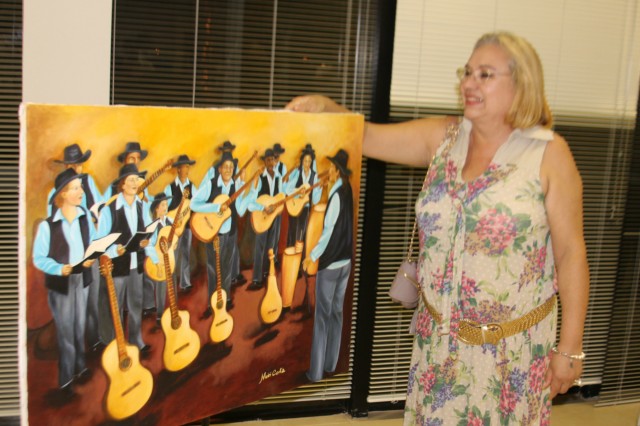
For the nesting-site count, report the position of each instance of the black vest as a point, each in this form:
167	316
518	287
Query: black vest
340	246
122	264
264	187
217	190
176	193
300	181
59	251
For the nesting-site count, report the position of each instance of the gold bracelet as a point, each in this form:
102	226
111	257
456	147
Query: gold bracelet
578	357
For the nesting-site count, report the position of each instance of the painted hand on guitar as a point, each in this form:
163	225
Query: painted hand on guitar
305	263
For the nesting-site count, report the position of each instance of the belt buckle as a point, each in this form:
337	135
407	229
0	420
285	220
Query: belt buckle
496	333
490	333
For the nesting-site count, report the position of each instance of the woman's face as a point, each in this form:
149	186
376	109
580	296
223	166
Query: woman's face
487	99
162	208
73	193
306	163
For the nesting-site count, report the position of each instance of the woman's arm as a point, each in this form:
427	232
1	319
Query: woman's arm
563	202
412	143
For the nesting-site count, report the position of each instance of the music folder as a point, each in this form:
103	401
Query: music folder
134	243
95	249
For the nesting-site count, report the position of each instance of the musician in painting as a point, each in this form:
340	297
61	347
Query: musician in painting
204	201
333	250
270	184
74	158
158	211
175	191
60	243
127	216
303	175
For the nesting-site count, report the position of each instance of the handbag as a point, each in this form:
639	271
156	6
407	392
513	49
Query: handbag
405	288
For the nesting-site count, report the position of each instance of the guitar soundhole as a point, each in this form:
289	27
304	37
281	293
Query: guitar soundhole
176	323
125	363
219	304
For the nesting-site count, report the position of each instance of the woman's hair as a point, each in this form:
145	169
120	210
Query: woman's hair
530	105
58	201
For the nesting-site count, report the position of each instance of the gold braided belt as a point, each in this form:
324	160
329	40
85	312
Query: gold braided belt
472	333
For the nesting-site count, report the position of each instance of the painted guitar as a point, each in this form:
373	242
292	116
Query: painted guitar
130	384
205	226
253	157
271	303
222	324
296	204
261	220
181	218
182	344
157	272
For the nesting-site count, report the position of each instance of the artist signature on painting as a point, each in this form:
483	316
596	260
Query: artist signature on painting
271	374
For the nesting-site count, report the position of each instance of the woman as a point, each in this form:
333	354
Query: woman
501	208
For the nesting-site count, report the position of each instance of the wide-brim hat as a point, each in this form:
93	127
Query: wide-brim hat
226	146
278	149
183	159
63	179
226	156
268	153
308	150
128	170
157	199
340	160
74	155
131	147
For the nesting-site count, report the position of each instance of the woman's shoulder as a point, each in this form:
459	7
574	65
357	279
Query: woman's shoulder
558	163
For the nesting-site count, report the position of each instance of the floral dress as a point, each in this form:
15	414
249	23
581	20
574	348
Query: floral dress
485	255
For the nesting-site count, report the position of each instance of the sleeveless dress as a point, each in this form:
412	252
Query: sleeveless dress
485	255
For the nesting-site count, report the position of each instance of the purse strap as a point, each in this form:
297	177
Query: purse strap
450	137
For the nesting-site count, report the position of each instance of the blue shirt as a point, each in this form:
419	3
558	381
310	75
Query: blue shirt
131	213
330	218
199	201
72	234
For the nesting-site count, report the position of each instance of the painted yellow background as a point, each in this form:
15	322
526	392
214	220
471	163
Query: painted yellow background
167	132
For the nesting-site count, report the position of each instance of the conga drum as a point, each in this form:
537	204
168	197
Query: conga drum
314	231
290	267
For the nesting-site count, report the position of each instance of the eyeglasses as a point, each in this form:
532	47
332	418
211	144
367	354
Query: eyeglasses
482	75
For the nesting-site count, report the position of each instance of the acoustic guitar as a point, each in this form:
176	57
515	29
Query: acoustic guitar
222	324
130	384
157	272
261	220
296	204
205	226
182	344
271	303
181	218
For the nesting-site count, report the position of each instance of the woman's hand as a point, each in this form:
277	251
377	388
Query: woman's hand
314	103
562	374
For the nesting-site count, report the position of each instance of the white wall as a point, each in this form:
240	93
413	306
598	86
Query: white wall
66	51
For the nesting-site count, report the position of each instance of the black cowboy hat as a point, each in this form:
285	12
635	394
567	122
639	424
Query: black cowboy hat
226	156
183	159
73	155
268	153
226	147
132	147
278	149
63	179
128	170
340	161
157	199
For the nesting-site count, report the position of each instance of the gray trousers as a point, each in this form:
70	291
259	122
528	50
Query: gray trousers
93	335
227	251
265	241
129	295
331	285
69	315
160	295
182	273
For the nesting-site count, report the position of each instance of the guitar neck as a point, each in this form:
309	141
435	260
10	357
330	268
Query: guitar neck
148	181
216	245
255	154
115	314
173	303
174	225
242	188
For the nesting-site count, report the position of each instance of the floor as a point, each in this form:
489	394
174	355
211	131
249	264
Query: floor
583	414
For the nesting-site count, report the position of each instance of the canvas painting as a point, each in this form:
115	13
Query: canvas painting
176	263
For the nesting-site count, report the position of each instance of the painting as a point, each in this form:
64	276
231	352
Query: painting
176	263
